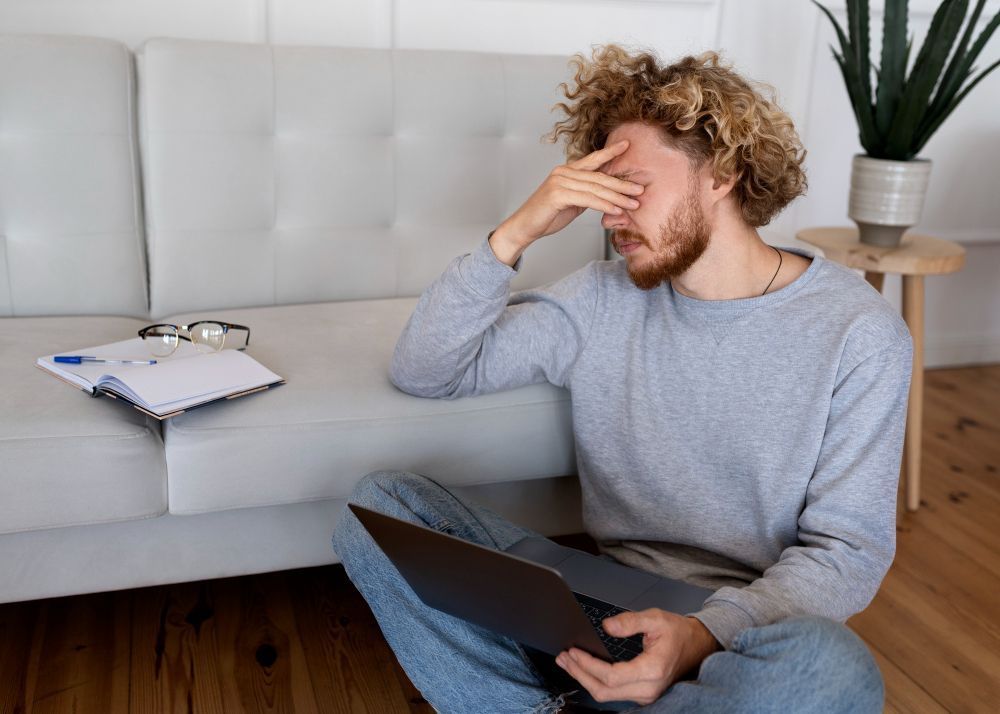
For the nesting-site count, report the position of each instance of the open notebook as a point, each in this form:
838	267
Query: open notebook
186	379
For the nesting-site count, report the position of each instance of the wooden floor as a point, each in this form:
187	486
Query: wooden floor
304	641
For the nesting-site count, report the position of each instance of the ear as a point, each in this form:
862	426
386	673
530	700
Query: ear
719	188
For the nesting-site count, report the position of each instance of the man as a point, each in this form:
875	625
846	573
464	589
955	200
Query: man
738	411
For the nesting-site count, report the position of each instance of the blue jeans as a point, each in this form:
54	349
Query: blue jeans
802	664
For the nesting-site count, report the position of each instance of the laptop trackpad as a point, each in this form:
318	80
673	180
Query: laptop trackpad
673	595
585	573
603	579
541	550
610	581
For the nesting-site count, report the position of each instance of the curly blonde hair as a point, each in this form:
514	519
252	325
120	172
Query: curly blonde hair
705	110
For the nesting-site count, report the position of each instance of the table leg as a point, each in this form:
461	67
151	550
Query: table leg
875	279
913	313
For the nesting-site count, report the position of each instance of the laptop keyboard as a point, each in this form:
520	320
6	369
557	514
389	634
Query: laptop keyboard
622	649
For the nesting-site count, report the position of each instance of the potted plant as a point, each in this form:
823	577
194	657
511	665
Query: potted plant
889	181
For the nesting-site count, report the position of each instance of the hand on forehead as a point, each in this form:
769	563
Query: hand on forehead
643	164
647	153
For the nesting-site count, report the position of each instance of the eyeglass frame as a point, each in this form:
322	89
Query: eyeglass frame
226	326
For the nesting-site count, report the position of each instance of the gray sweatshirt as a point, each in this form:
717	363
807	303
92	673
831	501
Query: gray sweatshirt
749	446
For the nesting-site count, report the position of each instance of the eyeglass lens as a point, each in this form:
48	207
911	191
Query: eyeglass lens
161	340
208	334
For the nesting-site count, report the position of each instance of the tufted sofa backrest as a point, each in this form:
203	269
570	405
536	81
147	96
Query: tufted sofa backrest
235	175
278	175
71	238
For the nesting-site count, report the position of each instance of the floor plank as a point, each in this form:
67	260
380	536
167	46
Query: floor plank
176	663
351	667
933	645
902	694
17	626
270	669
81	662
968	588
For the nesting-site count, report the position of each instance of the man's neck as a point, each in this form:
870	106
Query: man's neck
736	264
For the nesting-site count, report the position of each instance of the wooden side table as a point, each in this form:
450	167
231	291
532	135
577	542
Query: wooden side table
914	258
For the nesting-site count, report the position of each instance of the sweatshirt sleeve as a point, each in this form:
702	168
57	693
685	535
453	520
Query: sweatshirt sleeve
469	336
847	528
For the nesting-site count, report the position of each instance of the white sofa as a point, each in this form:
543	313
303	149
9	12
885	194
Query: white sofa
309	193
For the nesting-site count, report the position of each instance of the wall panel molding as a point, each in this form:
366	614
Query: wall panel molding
523	26
916	7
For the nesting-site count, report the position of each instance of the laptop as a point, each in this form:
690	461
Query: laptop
539	593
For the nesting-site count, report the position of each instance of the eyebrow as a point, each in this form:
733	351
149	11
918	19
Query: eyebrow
624	175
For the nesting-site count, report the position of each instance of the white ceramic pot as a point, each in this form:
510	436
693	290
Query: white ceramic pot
887	197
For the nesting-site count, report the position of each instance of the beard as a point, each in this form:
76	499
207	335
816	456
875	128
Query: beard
682	240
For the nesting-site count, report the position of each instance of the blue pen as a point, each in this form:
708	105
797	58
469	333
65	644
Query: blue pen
78	359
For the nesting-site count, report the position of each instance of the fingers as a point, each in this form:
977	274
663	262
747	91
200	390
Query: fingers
595	159
592	666
586	199
610	682
597	689
615	184
627	624
642	679
569	186
601	191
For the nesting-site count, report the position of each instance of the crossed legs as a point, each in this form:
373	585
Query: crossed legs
802	664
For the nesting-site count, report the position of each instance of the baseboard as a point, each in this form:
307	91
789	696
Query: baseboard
956	351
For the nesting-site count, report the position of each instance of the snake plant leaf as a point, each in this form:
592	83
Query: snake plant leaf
852	80
946	23
930	117
929	131
893	68
983	38
845	46
857	27
866	123
965	69
954	75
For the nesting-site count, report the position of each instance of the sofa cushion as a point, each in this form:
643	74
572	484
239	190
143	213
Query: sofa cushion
66	458
71	239
316	174
338	417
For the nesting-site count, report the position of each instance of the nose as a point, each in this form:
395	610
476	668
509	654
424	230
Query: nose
613	220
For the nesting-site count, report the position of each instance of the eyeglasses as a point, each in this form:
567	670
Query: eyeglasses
208	335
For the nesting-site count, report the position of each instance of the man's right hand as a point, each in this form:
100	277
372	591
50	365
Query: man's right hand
567	192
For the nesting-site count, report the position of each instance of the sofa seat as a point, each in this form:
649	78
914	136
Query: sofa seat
339	417
69	459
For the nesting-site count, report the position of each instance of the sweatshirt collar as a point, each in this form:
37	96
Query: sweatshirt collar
734	308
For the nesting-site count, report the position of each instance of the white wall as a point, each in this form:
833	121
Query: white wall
782	42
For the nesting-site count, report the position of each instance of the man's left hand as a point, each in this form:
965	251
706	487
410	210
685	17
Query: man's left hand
673	647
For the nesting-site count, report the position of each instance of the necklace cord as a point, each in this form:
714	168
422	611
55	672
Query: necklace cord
775	272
